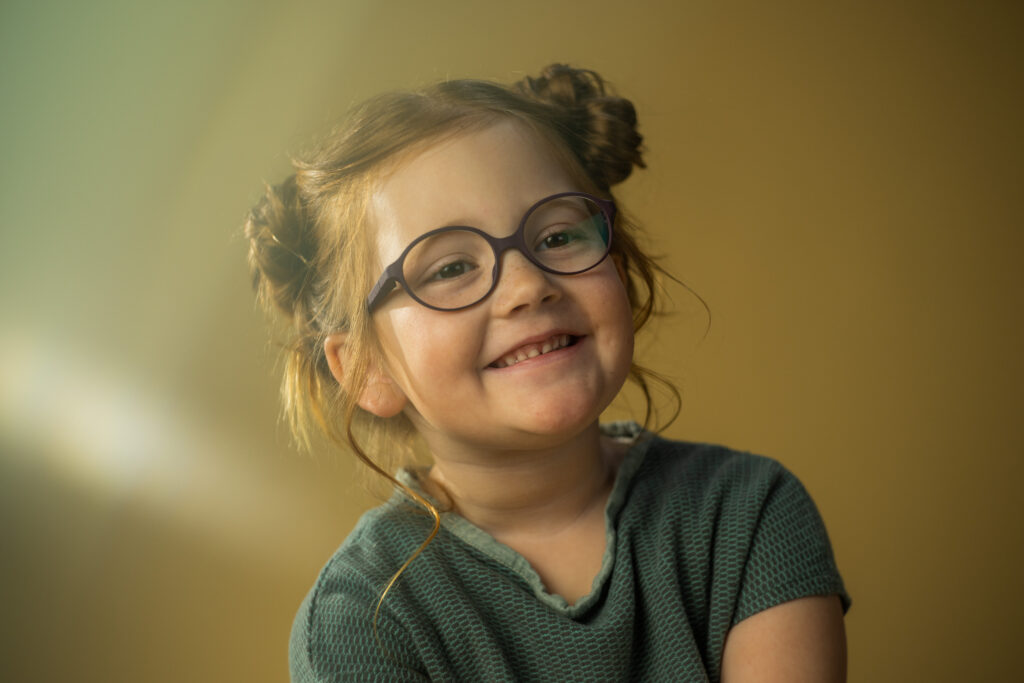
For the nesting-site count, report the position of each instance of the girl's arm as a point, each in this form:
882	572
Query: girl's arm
800	640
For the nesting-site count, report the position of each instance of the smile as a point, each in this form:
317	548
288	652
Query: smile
528	351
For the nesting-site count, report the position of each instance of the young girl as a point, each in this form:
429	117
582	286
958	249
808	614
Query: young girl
460	278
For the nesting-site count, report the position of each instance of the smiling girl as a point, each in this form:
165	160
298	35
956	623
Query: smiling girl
461	281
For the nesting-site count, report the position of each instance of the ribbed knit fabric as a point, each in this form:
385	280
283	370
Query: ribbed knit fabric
699	538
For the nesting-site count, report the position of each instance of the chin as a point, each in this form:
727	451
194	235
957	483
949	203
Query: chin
561	421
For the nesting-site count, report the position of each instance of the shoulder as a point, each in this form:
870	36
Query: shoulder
333	632
378	545
745	514
699	473
691	468
706	492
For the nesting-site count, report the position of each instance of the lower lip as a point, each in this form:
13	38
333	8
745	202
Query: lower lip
563	353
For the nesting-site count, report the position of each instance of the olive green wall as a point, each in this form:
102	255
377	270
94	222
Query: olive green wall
841	182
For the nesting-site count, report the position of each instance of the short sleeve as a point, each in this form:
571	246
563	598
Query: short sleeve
332	640
790	555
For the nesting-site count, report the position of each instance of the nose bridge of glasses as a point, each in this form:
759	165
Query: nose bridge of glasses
500	245
515	243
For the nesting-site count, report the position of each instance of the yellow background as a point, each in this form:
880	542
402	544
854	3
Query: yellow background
840	181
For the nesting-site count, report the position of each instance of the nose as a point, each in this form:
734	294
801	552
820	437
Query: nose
522	285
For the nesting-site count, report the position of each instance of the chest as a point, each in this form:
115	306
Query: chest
567	563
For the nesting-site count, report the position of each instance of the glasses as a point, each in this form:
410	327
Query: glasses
455	267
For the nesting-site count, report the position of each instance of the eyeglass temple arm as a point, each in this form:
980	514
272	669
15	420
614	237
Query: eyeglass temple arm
387	282
380	290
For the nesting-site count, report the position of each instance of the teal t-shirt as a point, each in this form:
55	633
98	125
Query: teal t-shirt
699	538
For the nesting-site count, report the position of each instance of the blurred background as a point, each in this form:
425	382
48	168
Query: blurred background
841	182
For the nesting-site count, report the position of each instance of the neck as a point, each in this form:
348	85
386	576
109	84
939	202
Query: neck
536	492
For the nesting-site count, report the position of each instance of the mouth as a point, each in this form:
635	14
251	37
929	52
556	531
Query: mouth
532	350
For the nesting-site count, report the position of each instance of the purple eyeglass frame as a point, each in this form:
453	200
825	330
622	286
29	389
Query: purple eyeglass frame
392	275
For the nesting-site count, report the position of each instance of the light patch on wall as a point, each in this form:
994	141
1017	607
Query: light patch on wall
84	422
104	433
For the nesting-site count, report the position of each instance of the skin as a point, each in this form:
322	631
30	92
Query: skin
518	450
798	641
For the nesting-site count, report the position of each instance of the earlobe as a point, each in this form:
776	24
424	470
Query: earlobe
380	394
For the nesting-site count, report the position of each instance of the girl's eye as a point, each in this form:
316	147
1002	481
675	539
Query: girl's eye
452	270
556	238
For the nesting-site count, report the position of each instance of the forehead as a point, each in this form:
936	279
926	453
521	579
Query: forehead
486	178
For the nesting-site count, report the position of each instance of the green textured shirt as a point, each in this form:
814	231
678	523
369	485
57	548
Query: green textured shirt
699	538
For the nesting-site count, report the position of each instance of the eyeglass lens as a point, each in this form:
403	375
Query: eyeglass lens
455	268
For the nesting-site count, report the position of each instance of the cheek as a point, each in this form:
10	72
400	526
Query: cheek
616	302
400	358
423	350
614	316
625	334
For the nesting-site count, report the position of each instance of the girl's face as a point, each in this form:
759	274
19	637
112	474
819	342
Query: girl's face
448	367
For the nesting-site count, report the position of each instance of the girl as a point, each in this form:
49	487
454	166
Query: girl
460	278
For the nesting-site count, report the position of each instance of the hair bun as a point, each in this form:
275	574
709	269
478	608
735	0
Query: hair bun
604	124
281	249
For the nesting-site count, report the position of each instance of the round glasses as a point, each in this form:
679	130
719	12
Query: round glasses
458	266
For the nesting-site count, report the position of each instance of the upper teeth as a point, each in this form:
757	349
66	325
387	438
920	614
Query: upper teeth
533	350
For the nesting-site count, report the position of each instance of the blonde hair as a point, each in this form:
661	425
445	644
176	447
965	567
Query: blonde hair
311	249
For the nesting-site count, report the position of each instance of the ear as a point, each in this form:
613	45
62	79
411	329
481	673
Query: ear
380	394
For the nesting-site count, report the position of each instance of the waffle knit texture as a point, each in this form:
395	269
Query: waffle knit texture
699	538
